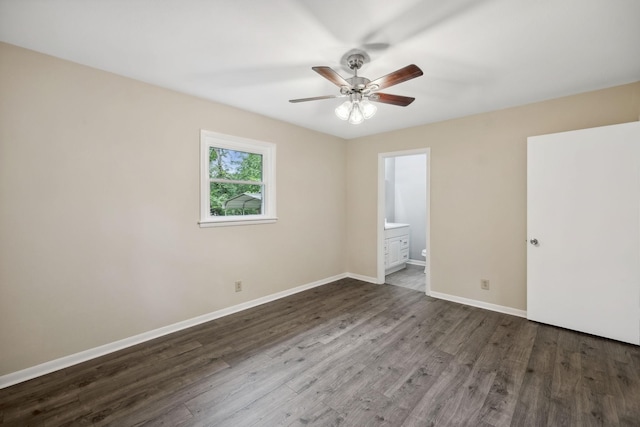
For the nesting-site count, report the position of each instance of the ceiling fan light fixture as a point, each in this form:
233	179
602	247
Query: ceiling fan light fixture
368	109
356	117
344	110
356	110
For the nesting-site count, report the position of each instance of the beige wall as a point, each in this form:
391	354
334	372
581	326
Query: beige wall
99	207
478	189
99	204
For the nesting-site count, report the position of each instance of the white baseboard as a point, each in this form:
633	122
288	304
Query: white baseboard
83	356
416	262
364	278
480	304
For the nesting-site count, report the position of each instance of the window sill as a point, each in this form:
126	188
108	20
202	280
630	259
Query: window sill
231	223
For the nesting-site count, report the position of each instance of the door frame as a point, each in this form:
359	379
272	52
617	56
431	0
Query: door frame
381	210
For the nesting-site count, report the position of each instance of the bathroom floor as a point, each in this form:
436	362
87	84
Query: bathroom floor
411	277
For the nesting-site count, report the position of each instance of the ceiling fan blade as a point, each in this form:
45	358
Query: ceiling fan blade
387	98
331	75
402	75
316	98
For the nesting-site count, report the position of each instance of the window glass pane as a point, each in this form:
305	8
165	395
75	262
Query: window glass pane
236	165
235	199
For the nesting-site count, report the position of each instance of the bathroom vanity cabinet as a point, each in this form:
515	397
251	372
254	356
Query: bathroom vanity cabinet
396	247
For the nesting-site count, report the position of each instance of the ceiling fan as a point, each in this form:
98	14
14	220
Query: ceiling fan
361	90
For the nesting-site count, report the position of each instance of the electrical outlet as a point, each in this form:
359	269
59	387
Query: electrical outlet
238	286
484	284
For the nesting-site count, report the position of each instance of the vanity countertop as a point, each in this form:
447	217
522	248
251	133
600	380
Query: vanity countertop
392	225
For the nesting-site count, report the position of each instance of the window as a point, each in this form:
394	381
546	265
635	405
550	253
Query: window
237	184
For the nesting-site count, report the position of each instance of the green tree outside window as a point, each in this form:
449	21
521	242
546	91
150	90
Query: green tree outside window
236	186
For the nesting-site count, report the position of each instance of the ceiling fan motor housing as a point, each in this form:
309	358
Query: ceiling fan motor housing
358	84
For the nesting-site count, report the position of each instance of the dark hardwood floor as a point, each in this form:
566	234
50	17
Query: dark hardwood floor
346	354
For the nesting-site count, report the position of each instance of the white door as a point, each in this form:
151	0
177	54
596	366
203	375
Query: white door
583	227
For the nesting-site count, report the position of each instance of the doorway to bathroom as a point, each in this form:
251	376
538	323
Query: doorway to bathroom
403	219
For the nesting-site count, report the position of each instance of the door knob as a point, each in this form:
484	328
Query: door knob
534	242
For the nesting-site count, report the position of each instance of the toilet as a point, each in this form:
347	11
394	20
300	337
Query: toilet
424	255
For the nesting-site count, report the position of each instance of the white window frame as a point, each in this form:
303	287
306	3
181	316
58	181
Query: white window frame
210	139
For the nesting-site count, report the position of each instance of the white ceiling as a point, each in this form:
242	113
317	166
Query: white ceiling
477	55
